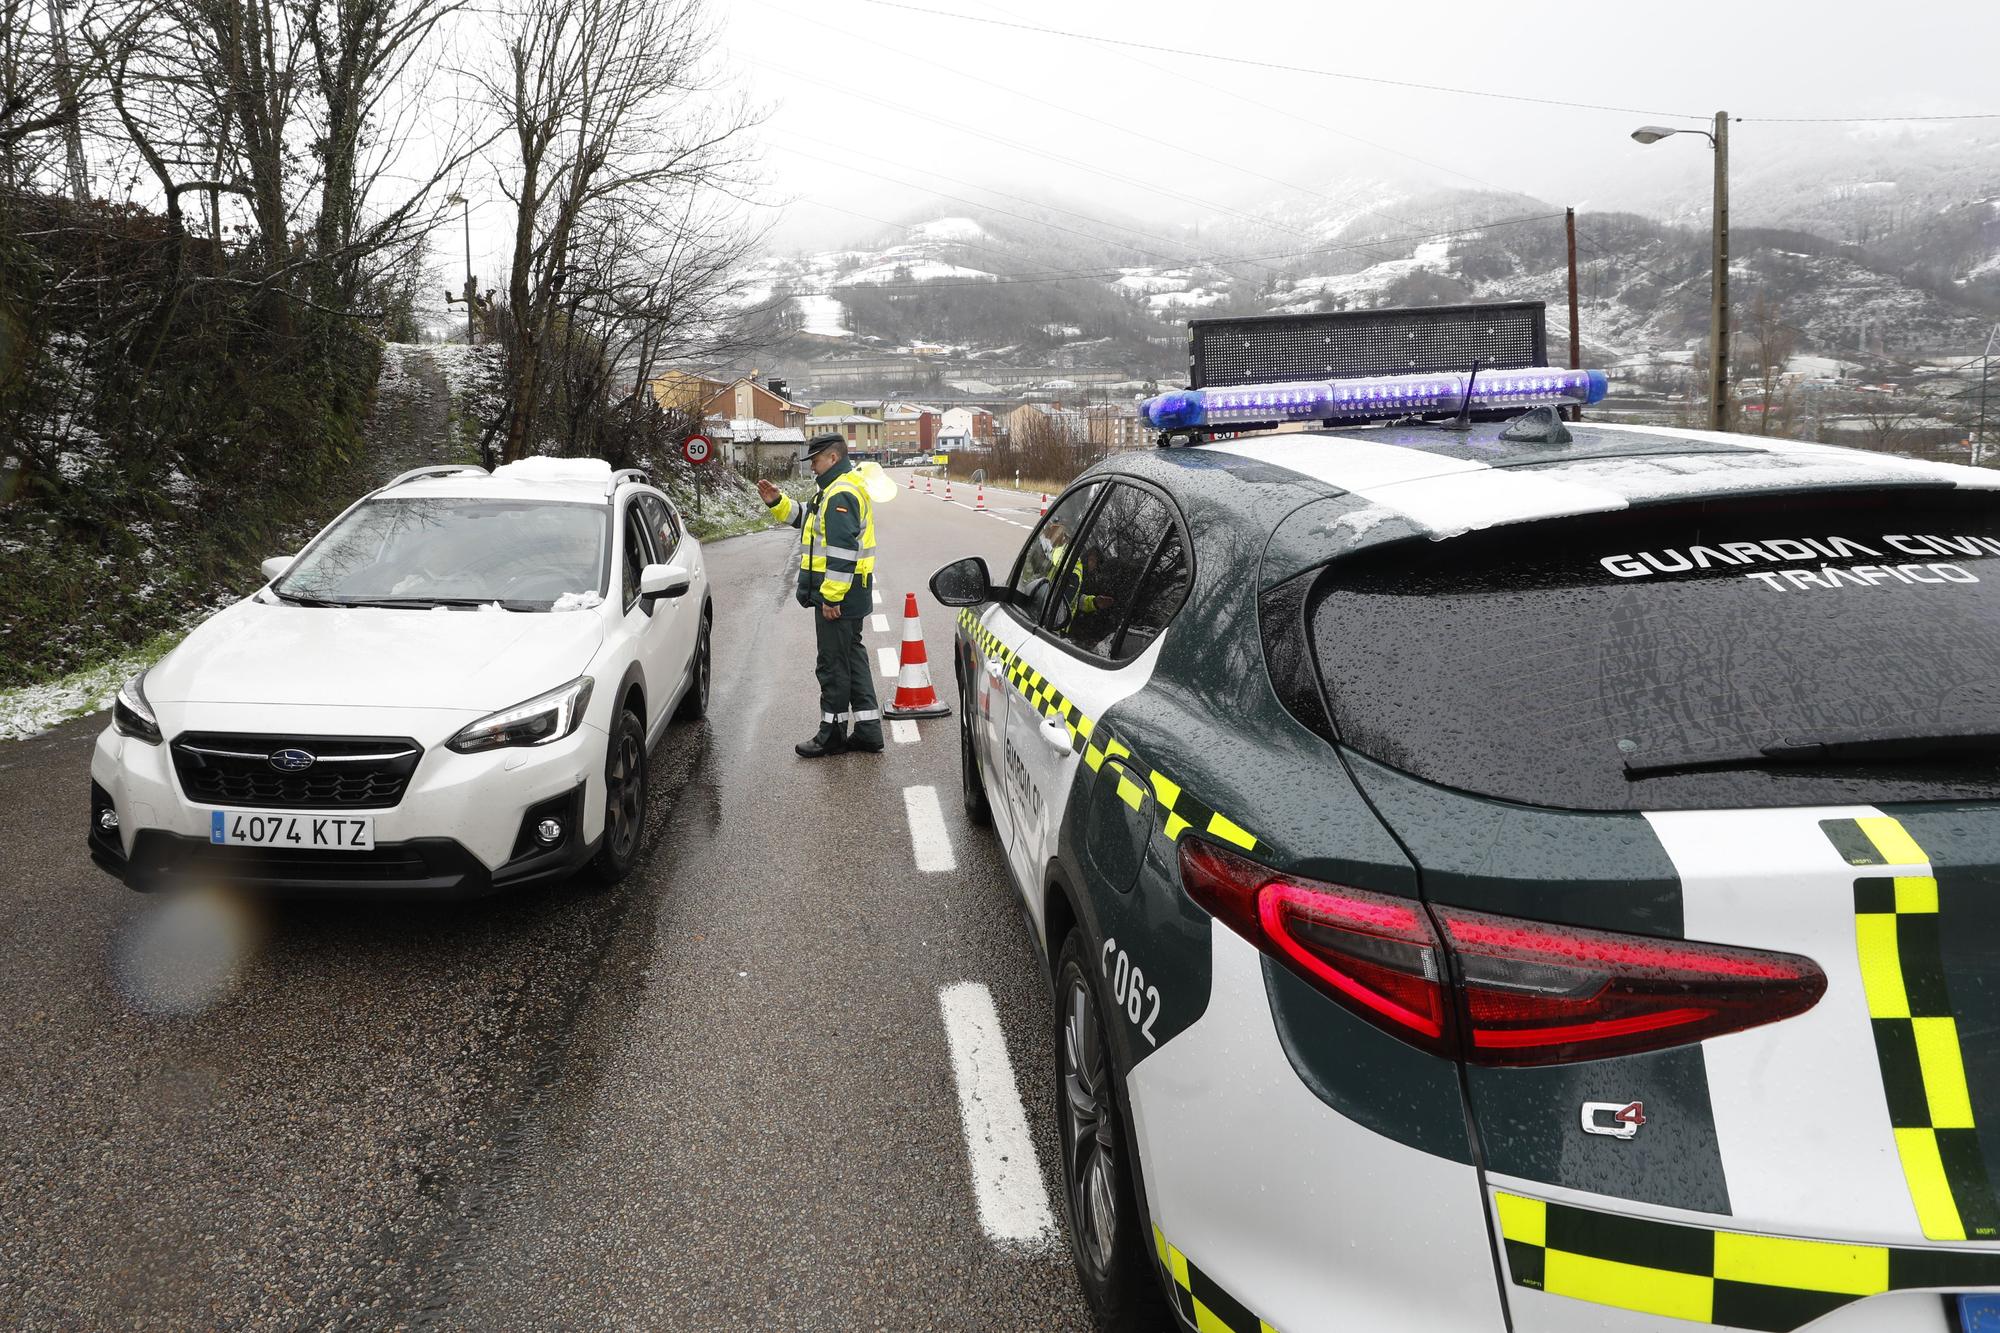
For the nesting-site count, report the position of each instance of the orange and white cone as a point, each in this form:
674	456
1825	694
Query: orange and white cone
927	486
1045	506
915	696
913	479
981	506
947	490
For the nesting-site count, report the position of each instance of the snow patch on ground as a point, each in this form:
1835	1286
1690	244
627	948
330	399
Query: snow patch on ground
949	229
821	316
908	270
33	709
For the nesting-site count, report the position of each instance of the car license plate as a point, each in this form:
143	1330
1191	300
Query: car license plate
318	833
1979	1314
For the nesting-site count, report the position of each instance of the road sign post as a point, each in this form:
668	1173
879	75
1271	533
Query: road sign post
697	450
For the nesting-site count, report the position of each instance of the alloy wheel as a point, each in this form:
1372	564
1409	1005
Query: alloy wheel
1088	1141
625	794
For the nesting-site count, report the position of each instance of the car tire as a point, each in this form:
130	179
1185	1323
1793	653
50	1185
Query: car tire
694	704
624	800
978	810
1113	1256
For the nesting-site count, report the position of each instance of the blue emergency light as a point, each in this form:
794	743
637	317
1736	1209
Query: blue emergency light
1379	396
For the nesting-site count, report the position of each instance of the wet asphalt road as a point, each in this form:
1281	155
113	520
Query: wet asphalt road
716	1097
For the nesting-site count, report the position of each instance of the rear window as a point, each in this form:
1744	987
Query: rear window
1685	658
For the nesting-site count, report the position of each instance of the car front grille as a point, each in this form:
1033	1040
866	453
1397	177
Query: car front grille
347	772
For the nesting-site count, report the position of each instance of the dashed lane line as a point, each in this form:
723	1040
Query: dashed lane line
879	623
929	838
886	656
903	731
1007	1182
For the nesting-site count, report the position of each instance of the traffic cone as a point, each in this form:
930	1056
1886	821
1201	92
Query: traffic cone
981	506
913	479
1045	506
927	486
914	695
947	490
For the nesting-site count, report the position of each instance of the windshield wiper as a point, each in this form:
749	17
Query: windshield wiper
430	603
295	599
1853	747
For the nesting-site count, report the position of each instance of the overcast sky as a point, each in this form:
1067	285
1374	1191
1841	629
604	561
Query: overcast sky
902	93
874	108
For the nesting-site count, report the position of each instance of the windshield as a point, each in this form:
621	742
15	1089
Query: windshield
524	555
1828	649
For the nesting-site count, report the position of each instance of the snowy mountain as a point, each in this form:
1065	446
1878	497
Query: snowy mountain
1852	263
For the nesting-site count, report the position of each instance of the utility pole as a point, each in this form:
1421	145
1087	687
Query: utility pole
1575	333
1718	329
1985	365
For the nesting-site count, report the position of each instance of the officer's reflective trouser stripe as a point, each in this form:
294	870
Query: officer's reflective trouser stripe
1729	1278
846	677
1202	1303
1897	940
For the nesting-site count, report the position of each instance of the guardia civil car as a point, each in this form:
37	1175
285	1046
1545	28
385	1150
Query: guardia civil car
1540	879
452	689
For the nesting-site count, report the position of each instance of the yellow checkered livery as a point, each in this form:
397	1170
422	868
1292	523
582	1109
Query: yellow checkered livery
1206	1307
1897	928
1183	811
1728	1278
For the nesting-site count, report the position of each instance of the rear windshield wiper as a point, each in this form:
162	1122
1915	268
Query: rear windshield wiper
1861	747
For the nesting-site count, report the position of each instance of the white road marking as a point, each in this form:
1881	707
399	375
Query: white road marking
879	623
878	597
903	731
891	664
928	836
1006	1177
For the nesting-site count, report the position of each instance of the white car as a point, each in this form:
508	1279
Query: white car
453	688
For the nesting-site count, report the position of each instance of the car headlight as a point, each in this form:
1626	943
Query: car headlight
132	716
542	719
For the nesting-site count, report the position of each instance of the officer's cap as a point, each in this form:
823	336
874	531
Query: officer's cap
828	440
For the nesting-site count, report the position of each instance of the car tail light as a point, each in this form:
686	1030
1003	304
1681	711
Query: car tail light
1496	990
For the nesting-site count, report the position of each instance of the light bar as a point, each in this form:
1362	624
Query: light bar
1362	399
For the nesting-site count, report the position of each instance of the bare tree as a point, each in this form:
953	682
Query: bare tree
615	131
1769	343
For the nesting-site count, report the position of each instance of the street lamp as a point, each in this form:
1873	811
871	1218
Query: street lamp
1718	314
471	286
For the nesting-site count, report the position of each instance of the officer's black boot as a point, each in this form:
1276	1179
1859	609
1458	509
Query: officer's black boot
831	738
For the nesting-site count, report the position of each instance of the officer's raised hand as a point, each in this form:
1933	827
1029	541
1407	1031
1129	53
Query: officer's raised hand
766	491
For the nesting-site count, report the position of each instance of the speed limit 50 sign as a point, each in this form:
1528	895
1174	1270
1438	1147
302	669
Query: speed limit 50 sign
696	449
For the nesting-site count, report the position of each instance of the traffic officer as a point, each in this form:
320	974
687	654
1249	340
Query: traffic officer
836	576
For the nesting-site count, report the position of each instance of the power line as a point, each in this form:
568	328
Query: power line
1291	69
1861	120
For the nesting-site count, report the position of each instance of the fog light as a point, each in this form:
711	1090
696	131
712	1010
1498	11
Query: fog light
108	820
549	831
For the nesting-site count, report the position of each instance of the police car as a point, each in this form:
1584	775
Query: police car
1499	873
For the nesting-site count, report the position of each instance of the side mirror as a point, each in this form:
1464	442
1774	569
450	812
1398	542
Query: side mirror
963	583
665	581
275	567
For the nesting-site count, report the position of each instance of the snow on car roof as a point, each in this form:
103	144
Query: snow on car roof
1445	483
572	479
